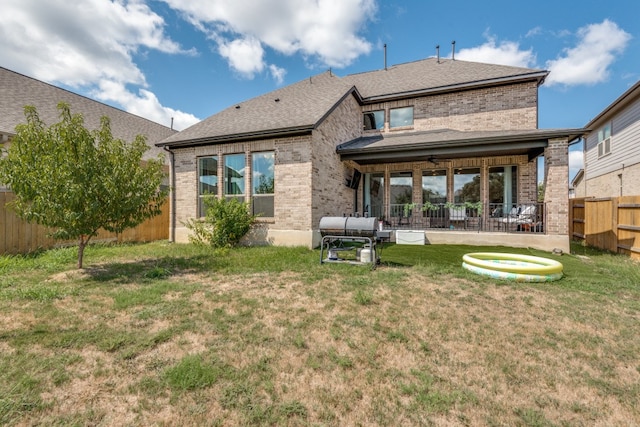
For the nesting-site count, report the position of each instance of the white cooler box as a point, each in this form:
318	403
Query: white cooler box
410	237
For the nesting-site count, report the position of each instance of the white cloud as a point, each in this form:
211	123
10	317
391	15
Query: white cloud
244	55
321	31
277	73
589	61
86	44
504	53
144	104
575	161
536	31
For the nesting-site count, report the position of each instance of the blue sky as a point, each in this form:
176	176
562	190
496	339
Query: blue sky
188	59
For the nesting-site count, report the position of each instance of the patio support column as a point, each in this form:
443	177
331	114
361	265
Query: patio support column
556	186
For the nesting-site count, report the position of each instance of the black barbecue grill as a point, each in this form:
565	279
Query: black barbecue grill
349	226
343	236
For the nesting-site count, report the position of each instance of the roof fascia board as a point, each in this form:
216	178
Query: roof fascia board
539	76
622	101
352	91
443	150
272	133
503	139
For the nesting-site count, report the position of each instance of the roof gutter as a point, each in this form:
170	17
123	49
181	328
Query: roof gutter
502	139
266	134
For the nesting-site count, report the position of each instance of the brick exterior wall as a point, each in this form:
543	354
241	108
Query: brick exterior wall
556	195
309	178
331	196
507	107
623	182
293	181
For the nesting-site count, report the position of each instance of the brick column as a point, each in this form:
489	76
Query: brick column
556	185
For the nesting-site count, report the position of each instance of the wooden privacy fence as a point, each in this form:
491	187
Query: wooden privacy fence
611	223
20	237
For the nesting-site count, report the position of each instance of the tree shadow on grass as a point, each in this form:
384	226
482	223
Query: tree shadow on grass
153	269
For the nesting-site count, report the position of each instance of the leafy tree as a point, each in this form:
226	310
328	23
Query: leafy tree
540	192
77	181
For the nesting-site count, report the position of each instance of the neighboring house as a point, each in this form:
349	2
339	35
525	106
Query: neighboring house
577	188
434	145
17	91
612	148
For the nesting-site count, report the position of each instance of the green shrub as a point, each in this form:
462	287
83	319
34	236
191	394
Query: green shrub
225	223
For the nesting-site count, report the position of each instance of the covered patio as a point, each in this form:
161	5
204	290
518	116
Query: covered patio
464	187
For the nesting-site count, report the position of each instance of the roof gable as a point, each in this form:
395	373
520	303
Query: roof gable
300	106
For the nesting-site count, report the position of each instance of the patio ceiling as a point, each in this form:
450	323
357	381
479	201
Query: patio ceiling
448	144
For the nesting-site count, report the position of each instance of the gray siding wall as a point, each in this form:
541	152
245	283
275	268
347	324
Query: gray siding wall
625	144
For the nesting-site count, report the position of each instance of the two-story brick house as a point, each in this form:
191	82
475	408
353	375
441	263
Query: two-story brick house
414	145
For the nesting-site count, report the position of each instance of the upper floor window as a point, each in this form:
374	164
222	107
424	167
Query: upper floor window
400	117
207	180
373	120
604	140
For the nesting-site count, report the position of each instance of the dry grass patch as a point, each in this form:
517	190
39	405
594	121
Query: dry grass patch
317	345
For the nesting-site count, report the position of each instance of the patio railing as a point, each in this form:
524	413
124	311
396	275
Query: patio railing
526	217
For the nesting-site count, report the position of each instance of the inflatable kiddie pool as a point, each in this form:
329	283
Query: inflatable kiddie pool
520	268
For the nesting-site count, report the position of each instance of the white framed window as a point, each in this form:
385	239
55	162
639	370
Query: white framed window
604	140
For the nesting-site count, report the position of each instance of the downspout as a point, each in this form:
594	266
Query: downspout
172	198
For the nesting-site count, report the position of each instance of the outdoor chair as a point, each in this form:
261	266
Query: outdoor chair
524	214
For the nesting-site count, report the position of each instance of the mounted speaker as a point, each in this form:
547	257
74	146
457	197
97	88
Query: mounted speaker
355	180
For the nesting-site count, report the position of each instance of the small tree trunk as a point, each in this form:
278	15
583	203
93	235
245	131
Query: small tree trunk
81	247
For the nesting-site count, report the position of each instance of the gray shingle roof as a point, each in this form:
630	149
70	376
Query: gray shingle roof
17	90
303	105
431	75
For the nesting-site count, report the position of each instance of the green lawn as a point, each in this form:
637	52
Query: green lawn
168	334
